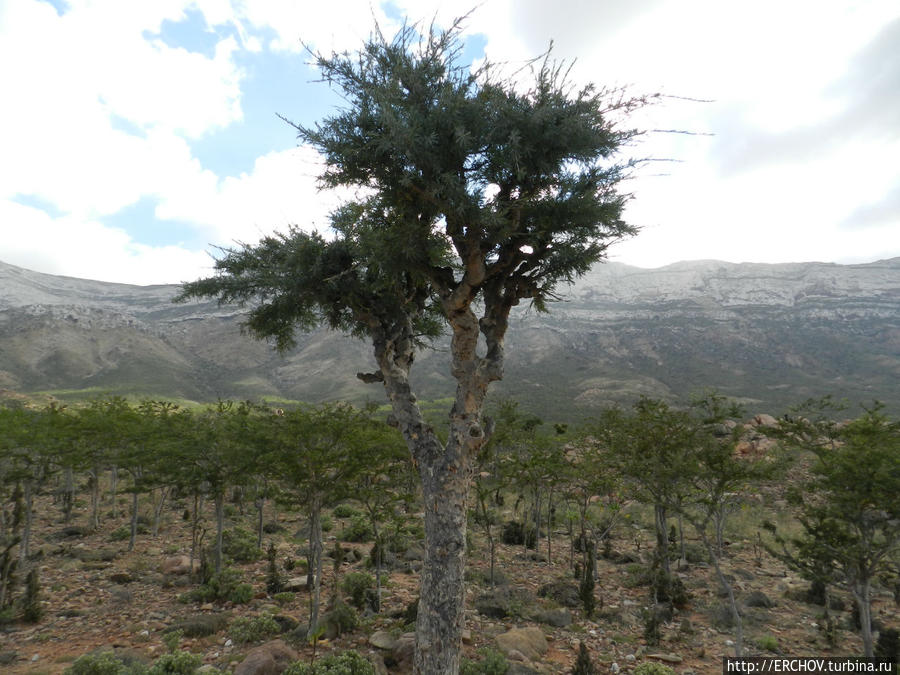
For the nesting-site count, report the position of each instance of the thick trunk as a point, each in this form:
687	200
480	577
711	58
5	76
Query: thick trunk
134	520
95	498
662	539
732	602
25	544
113	489
315	565
158	508
220	527
68	495
863	597
445	486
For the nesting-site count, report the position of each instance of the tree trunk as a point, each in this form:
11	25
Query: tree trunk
158	508
220	527
445	484
862	594
735	614
68	495
315	565
113	489
95	499
134	519
662	539
25	543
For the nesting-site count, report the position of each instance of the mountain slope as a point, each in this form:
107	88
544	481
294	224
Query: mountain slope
769	334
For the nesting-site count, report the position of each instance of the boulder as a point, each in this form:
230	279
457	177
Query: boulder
559	618
271	658
381	639
178	564
562	591
530	642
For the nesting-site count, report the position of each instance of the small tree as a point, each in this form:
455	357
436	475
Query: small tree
850	508
475	194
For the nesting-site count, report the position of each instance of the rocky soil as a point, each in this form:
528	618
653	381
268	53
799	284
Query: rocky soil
98	595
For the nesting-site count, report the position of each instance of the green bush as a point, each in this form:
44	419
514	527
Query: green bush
491	662
340	619
104	663
240	545
176	663
346	663
326	523
358	530
651	668
345	511
245	629
358	586
223	586
284	598
768	642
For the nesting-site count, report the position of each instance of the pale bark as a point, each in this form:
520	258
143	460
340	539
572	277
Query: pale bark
315	565
862	595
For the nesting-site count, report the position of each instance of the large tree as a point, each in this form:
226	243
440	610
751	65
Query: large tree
473	194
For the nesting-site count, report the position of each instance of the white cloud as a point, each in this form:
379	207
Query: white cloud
77	247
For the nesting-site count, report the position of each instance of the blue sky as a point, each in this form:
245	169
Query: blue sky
141	135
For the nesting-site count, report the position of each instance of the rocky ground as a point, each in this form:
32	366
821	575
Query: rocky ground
98	595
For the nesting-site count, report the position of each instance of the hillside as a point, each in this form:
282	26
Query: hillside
768	334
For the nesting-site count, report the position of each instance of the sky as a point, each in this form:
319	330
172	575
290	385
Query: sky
136	137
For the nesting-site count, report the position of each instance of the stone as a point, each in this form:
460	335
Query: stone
295	584
381	639
758	599
668	658
270	658
562	591
404	651
178	564
559	618
530	642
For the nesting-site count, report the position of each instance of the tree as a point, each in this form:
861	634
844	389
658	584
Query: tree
474	195
850	508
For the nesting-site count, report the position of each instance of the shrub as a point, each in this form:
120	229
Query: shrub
274	580
345	511
583	664
651	668
346	663
240	545
222	586
492	662
284	598
326	523
768	642
358	586
888	645
176	663
245	629
358	530
104	663
32	611
515	533
340	619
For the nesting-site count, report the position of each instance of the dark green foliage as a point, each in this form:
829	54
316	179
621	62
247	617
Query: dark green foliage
491	662
247	629
358	530
652	622
586	587
359	587
583	664
32	612
274	579
226	585
345	511
888	645
340	619
515	533
200	625
345	663
240	545
176	663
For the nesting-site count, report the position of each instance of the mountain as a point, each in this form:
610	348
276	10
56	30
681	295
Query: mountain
770	335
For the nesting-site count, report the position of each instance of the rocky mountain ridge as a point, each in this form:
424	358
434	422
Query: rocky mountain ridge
767	334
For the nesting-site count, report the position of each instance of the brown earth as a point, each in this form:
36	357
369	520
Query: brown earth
126	603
